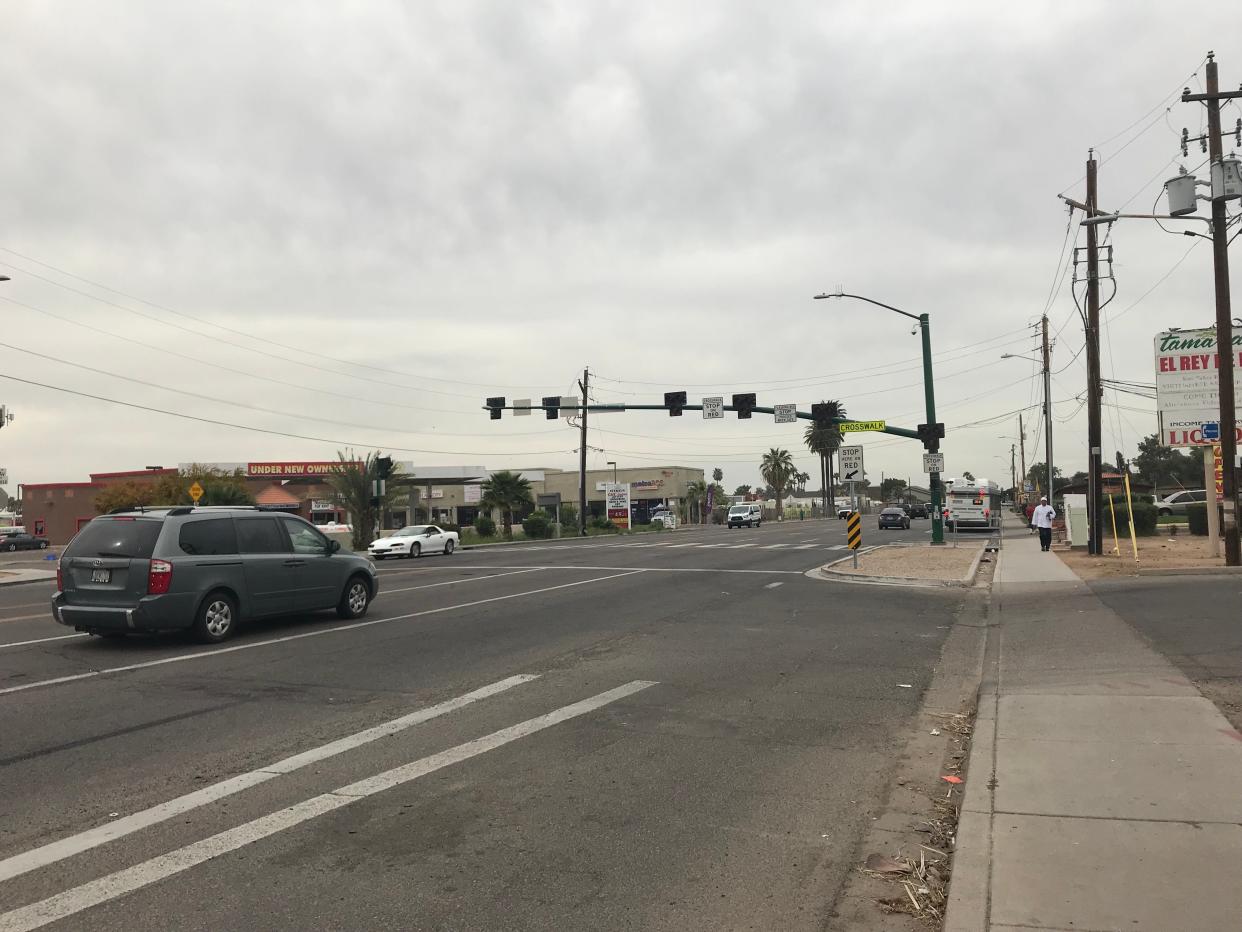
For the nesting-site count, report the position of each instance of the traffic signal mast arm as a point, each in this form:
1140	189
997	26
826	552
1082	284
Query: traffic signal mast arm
758	409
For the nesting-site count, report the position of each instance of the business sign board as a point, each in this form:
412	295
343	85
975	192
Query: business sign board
4	476
1218	469
785	414
617	501
285	470
472	493
713	407
1187	395
324	505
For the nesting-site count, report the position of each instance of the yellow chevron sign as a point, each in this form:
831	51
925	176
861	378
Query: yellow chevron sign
853	530
847	427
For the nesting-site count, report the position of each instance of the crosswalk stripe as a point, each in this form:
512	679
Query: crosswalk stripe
774	547
837	547
806	547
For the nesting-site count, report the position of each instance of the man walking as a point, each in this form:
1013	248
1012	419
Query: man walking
1041	520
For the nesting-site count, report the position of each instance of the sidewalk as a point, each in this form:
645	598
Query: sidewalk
1103	792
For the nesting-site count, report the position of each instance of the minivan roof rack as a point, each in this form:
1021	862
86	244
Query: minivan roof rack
226	508
124	509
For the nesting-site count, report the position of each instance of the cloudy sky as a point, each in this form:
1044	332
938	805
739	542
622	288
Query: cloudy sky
352	222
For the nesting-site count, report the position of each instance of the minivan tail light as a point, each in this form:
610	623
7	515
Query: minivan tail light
60	579
159	577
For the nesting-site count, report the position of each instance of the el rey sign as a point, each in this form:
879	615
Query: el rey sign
1187	395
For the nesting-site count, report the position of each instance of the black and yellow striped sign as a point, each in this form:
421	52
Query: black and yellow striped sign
853	530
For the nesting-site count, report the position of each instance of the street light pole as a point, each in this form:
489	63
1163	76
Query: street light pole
931	442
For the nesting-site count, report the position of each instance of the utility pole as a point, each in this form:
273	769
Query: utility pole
1013	475
1225	353
1022	451
585	385
1048	403
1096	537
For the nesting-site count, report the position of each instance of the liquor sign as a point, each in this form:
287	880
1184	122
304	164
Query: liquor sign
324	505
617	501
1187	394
1218	470
293	470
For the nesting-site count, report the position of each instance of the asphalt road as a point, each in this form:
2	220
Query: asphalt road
677	731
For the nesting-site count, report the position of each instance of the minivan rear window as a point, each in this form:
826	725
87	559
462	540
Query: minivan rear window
116	537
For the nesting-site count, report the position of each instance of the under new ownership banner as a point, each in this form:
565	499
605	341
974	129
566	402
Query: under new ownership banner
1187	394
617	501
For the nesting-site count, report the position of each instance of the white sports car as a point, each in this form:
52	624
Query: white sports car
414	541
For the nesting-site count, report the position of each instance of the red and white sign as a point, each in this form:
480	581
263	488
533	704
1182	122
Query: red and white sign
1187	396
1218	468
292	470
617	501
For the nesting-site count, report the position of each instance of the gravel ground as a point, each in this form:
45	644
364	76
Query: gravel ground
1161	552
919	562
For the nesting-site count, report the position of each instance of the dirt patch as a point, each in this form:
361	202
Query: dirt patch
921	561
1160	552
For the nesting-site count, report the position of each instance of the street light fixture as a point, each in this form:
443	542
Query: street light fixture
1051	489
932	443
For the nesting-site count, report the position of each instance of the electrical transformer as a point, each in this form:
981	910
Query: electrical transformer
1227	179
1181	195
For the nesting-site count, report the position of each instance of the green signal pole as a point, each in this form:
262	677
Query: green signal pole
929	391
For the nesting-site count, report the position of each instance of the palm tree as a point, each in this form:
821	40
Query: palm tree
777	468
718	473
696	494
824	441
506	490
353	485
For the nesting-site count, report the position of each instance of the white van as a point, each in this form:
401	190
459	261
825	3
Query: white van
747	513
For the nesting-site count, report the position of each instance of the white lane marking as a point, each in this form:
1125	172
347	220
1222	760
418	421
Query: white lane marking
773	585
773	546
67	847
678	569
739	546
806	547
120	883
454	582
47	614
710	546
451	582
221	651
59	637
837	547
809	540
9	608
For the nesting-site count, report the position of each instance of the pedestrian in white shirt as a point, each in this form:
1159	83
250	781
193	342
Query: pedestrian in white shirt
1041	520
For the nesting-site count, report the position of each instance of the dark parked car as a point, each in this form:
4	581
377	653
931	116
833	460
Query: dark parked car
22	541
894	516
203	569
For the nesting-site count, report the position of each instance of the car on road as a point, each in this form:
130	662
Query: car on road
663	517
894	516
843	512
414	541
207	570
22	541
749	514
918	510
1176	503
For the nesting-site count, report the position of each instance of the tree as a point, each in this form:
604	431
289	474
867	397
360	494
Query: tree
892	489
1037	476
220	487
967	476
507	491
352	486
742	490
696	496
824	442
1167	466
777	468
129	494
717	473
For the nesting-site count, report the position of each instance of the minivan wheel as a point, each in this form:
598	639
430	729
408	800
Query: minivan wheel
355	600
216	620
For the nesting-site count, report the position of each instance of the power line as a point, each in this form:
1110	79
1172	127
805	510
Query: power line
241	333
264	430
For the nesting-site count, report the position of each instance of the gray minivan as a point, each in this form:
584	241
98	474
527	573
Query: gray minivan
205	569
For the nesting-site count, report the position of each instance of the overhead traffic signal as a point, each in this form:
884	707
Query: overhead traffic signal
744	405
821	413
383	465
551	407
675	402
495	406
931	435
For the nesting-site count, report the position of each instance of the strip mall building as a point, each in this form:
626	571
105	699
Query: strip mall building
57	509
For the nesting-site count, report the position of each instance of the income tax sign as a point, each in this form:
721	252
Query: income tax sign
1186	388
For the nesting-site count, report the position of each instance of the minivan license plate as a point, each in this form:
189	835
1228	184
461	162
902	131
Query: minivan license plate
103	576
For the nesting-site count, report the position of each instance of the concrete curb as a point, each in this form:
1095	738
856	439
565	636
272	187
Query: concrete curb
827	572
1191	571
27	582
